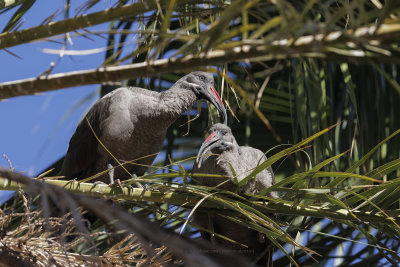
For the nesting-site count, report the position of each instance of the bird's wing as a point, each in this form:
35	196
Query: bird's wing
250	159
110	118
82	153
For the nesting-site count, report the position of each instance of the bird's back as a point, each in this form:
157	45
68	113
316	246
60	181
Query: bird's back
114	119
251	159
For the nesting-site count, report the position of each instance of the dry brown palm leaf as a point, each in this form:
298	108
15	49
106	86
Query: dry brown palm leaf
191	252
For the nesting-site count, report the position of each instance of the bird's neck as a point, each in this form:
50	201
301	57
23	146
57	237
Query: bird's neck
174	102
230	151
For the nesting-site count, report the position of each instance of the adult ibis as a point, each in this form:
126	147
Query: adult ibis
219	154
131	123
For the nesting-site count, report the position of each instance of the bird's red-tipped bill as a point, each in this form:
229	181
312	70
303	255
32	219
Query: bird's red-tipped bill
206	147
217	95
216	100
210	137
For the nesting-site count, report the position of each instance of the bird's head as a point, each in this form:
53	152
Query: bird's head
220	139
202	84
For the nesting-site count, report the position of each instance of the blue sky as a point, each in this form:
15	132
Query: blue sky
36	129
35	133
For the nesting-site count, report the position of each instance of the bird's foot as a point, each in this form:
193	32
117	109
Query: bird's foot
111	177
118	183
136	184
139	185
97	183
114	183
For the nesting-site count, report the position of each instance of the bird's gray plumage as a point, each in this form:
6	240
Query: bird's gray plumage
218	154
132	122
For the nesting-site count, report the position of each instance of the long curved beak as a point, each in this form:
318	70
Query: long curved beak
216	100
206	147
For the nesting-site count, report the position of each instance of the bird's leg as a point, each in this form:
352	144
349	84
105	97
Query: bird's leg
137	184
111	176
111	173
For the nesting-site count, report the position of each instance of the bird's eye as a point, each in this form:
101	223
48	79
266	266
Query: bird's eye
202	78
224	132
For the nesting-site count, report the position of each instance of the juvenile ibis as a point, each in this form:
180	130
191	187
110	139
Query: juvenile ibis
131	123
219	154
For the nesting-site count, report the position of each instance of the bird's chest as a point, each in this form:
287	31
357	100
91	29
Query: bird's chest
221	166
